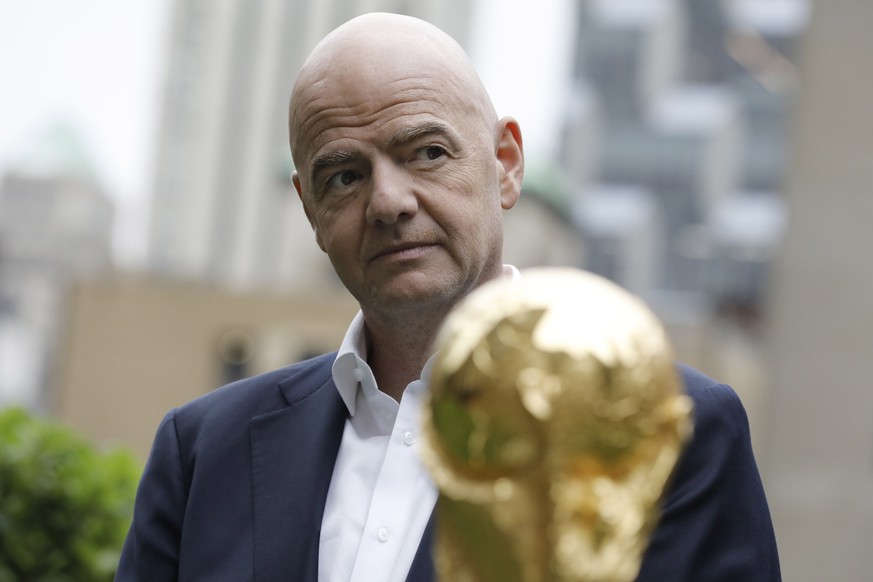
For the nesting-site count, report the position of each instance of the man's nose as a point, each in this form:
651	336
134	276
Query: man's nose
392	195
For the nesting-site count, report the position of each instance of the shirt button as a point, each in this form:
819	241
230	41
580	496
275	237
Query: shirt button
359	374
408	438
382	534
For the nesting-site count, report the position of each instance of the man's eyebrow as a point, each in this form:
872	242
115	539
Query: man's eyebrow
409	134
329	160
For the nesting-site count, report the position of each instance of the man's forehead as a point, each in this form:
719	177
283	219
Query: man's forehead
356	81
381	48
378	62
375	112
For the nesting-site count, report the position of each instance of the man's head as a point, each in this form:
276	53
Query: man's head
402	164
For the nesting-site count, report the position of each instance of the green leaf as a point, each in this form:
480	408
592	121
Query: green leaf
65	506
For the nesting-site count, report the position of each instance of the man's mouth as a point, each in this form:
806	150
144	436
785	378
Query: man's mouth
410	250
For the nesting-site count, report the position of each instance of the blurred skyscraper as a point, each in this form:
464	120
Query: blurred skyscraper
223	207
690	98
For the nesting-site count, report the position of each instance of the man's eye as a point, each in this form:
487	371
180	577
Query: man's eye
431	153
343	179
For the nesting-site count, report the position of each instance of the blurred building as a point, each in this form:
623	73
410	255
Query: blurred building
818	450
691	99
135	348
540	229
624	234
223	208
55	227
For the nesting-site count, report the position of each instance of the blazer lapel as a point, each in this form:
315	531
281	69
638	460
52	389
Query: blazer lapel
422	569
293	454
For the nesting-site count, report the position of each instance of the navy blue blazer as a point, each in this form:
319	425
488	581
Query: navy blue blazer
235	487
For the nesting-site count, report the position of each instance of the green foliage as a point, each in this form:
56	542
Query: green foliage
64	506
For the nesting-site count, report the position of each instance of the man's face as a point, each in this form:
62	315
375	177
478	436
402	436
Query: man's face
400	178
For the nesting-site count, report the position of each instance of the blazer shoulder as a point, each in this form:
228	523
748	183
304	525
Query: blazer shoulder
715	523
256	395
715	403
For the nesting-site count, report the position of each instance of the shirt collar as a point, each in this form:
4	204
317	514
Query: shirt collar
350	368
511	273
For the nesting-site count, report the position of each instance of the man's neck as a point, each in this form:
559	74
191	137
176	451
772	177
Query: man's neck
400	343
398	351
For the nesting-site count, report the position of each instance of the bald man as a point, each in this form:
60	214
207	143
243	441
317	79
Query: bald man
311	472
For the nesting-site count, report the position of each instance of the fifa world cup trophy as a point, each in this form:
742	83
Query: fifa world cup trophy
555	420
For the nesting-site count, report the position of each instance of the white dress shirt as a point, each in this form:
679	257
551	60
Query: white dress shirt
381	496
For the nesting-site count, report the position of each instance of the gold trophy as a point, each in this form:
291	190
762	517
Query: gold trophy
555	419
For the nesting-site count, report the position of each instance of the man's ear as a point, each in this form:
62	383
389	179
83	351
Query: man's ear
510	155
295	178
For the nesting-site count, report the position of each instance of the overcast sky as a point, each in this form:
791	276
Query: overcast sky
92	64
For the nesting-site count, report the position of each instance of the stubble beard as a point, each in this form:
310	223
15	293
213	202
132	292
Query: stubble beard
408	303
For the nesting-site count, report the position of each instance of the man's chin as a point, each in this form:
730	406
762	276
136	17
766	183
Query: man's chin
402	295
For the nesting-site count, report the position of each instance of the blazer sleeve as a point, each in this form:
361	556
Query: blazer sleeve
151	549
715	523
